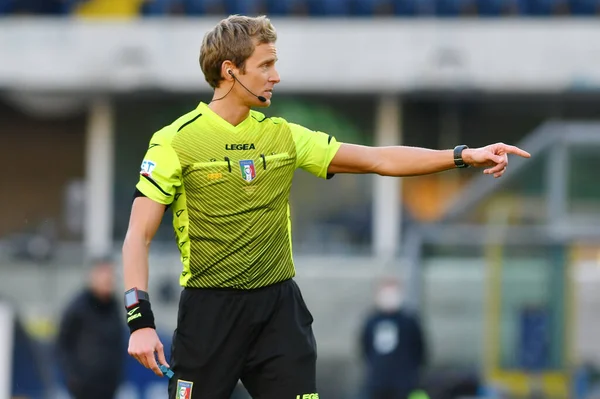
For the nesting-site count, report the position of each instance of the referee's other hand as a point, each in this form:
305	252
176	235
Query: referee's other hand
143	344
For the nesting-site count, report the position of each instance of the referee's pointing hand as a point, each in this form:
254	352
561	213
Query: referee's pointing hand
493	157
143	344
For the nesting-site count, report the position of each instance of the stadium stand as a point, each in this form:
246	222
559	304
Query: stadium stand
315	8
109	8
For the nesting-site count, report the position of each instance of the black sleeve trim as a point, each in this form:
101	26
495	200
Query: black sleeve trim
329	175
138	194
156	185
188	122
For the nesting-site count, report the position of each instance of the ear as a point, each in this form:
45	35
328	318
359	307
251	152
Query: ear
227	66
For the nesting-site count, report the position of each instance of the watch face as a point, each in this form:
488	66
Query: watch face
131	298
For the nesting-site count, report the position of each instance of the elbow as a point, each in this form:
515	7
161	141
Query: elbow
383	161
134	241
380	167
385	169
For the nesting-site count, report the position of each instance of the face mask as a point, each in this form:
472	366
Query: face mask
389	299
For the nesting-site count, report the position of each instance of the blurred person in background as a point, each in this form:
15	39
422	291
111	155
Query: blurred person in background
226	172
392	345
91	338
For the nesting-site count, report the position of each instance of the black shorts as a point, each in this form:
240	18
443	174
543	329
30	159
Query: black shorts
262	337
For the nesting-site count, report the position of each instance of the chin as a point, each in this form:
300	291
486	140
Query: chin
265	104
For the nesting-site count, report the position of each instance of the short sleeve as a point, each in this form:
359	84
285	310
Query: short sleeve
314	150
160	172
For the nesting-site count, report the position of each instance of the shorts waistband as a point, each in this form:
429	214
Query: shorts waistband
238	290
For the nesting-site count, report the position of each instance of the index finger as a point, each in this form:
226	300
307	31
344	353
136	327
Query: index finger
151	362
511	149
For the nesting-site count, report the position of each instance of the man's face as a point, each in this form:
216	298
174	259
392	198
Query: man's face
260	76
389	296
103	281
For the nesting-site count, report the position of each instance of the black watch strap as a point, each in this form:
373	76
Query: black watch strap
134	296
458	159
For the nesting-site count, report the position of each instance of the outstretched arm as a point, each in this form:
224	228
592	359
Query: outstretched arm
414	161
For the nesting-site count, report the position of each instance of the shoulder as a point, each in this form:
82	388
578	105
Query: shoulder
163	136
168	133
184	121
78	303
372	318
409	315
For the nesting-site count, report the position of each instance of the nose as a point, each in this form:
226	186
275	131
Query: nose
275	78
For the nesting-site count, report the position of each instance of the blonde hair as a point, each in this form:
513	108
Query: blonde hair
234	39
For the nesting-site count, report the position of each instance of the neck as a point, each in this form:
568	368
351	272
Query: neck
100	296
229	109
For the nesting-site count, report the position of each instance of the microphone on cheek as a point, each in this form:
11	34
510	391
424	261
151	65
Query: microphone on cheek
260	98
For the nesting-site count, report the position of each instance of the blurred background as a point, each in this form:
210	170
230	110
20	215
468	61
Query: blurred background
502	274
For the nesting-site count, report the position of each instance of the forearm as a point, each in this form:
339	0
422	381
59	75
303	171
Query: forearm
135	275
412	161
135	262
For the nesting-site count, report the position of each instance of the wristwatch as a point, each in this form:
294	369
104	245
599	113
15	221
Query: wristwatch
134	296
458	159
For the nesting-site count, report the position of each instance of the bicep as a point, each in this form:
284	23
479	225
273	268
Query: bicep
146	216
353	158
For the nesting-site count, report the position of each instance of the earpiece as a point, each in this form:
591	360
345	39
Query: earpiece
260	98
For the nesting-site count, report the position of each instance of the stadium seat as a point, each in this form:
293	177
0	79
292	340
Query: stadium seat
286	7
585	7
544	7
69	6
371	7
43	7
495	8
453	8
329	7
199	7
5	6
405	8
158	7
108	8
245	7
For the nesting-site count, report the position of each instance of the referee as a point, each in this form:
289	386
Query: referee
226	172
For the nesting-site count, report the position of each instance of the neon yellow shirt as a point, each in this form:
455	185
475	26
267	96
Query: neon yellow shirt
229	188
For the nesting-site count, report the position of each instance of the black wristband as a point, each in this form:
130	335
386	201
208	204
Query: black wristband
140	316
458	159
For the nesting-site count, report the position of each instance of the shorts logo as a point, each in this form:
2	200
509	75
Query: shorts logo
308	396
248	170
147	168
184	389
